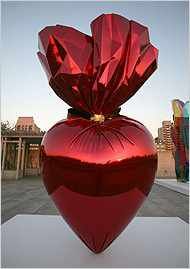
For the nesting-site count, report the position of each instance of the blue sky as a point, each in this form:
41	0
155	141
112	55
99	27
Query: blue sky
25	89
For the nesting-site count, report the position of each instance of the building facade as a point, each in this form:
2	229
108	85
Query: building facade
20	150
27	125
167	135
165	146
160	134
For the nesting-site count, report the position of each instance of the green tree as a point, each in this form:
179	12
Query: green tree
7	128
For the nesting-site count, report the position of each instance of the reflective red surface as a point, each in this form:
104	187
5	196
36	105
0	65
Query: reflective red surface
97	73
98	174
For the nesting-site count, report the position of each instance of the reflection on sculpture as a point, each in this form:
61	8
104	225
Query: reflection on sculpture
98	166
180	136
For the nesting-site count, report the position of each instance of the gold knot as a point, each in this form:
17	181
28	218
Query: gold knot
100	118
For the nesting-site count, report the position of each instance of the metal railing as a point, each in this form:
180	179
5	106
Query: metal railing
22	133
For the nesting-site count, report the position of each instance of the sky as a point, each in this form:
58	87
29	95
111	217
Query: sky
25	89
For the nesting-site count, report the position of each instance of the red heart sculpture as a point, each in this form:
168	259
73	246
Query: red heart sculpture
98	166
98	174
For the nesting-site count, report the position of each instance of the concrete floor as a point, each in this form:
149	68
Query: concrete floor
28	196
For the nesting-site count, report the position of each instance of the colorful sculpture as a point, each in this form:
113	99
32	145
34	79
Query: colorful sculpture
98	166
185	138
180	135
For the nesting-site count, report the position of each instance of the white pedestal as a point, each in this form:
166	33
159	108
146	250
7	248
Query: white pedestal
46	241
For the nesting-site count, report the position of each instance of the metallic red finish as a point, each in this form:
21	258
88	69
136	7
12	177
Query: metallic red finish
97	73
98	174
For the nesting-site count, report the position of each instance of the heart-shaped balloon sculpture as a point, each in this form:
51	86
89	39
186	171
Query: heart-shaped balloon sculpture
97	165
